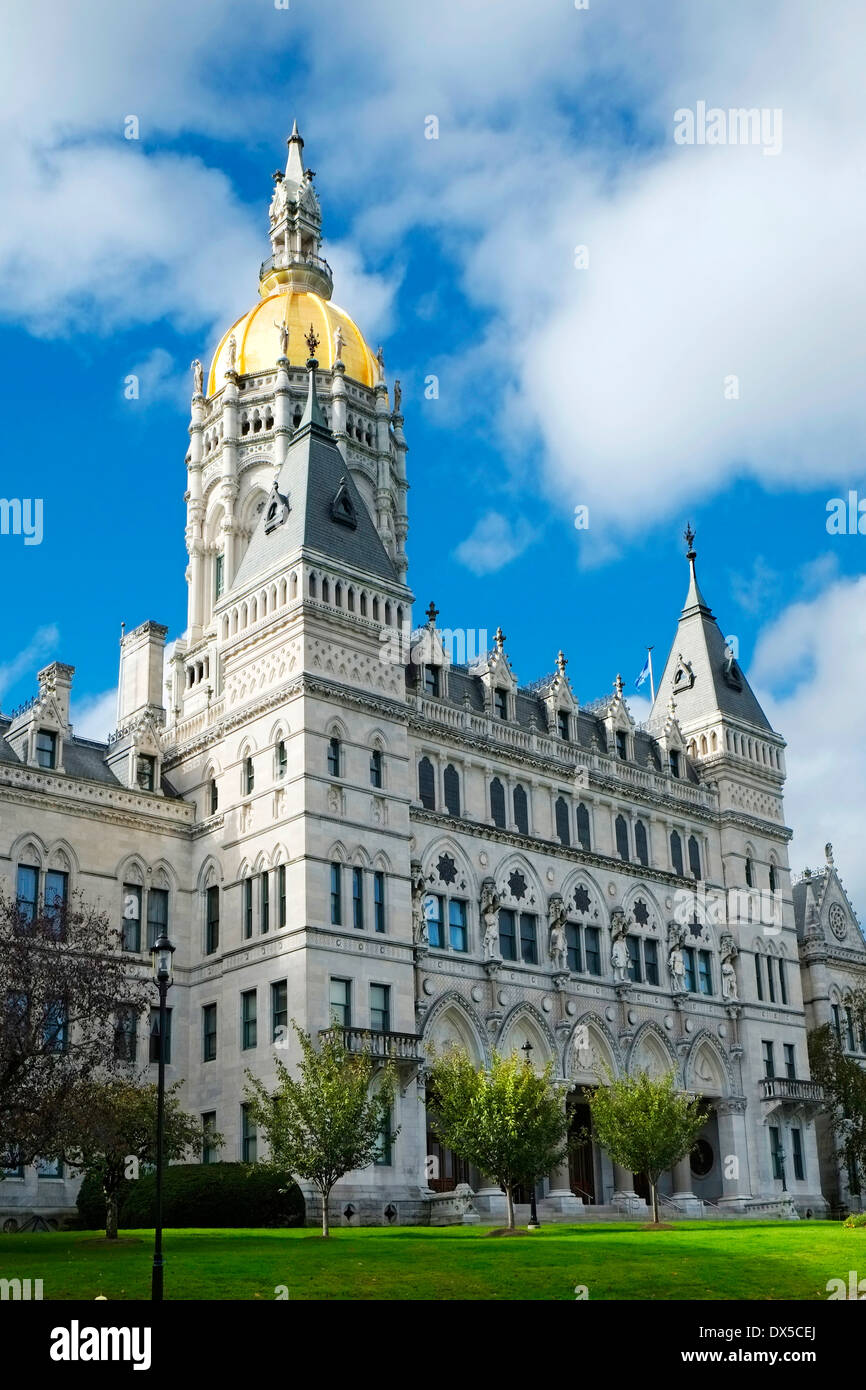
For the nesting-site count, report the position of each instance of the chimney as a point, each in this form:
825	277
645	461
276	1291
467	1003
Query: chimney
56	680
140	679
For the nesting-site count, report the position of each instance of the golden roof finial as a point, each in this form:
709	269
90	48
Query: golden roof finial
311	340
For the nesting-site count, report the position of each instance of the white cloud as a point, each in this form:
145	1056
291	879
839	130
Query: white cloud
493	543
94	716
38	648
158	378
815	654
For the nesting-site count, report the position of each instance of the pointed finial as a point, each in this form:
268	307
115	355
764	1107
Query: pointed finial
295	135
689	538
561	662
432	613
499	639
312	341
828	855
618	685
122	630
277	176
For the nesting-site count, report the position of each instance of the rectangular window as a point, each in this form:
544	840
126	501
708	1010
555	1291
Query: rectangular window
431	680
157	915
27	892
218	572
797	1143
358	898
249	776
125	1028
334	757
433	912
154	1036
208	1129
281	894
56	1026
248	908
209	1032
130	931
759	978
336	895
783	987
689	963
572	938
634	970
651	961
56	893
528	938
212	920
282	758
376	768
675	762
507	934
776	1151
457	933
563	724
341	1003
705	972
214	796
279	1010
383	1143
380	1008
591	950
49	1168
379	900
837	1021
790	1067
769	1064
265	902
771	978
249	1136
145	772
46	748
249	1025
500	702
621	745
849	1028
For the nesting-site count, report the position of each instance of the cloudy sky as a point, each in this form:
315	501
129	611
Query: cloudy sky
657	331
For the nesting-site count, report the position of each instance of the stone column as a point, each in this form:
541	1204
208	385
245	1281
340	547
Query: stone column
733	1144
560	1198
682	1179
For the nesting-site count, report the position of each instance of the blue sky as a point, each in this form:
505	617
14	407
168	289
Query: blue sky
559	385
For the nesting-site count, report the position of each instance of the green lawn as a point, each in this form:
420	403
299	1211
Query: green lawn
693	1260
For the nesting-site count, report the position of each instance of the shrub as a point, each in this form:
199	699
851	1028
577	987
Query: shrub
856	1221
201	1195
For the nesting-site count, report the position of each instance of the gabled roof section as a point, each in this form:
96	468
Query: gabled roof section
701	673
326	513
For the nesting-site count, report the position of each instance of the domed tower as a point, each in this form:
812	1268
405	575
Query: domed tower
247	409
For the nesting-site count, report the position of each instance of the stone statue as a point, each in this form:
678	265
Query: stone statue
419	917
339	342
284	337
729	974
398	396
828	855
619	946
558	942
676	961
380	359
490	918
280	199
198	375
231	354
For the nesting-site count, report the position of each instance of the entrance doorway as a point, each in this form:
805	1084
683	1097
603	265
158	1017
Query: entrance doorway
581	1165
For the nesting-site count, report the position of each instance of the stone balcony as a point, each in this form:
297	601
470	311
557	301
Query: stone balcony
384	1047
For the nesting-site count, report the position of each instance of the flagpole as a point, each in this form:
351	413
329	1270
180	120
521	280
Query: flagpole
652	682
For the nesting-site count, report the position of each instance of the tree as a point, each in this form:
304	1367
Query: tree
325	1122
844	1082
508	1122
645	1123
109	1128
62	982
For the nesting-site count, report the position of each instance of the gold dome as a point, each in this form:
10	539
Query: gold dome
257	338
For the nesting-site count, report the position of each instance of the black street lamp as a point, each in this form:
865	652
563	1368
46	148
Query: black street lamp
160	954
533	1209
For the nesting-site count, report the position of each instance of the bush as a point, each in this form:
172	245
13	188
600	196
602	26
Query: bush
201	1195
856	1221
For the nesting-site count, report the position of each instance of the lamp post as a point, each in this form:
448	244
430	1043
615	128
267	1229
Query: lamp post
161	957
534	1222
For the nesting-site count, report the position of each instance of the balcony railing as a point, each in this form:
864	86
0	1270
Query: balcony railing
283	262
393	1047
781	1088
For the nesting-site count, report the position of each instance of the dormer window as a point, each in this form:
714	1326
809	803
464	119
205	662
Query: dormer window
145	772
500	702
675	762
563	723
431	680
46	748
621	745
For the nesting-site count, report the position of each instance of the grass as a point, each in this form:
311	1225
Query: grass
693	1260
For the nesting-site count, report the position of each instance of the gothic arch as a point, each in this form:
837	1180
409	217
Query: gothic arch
360	858
651	1052
28	844
338	851
335	728
571	882
210	873
706	1068
377	739
162	868
535	897
522	1022
381	862
640	891
586	1054
131	869
447	846
62	849
452	1011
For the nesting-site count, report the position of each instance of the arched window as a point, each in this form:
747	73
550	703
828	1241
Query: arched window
749	874
640	843
622	848
249	775
497	803
326	591
451	784
583	835
772	878
282	758
521	810
677	853
213	796
426	784
334	757
694	857
312	586
563	829
376	768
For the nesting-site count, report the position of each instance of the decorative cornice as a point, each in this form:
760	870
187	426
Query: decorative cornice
95	800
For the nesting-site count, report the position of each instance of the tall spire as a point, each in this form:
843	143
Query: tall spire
694	597
295	161
295	218
312	411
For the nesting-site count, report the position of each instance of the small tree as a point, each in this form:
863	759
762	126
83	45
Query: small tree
325	1122
645	1124
109	1128
844	1082
508	1121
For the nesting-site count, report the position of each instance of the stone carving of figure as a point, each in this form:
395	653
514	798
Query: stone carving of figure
380	359
619	948
231	354
676	962
490	918
828	855
729	974
558	944
398	396
419	918
279	200
339	342
284	337
198	375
